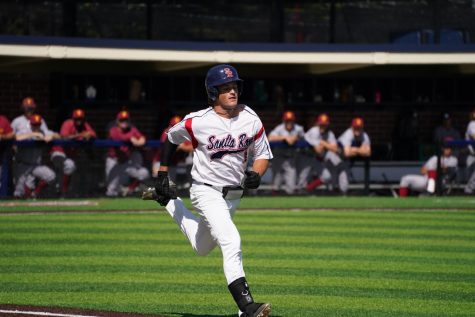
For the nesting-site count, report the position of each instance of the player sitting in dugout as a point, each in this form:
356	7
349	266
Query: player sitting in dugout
64	157
32	175
426	182
124	164
354	142
284	164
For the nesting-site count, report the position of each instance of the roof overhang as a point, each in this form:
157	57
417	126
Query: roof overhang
16	52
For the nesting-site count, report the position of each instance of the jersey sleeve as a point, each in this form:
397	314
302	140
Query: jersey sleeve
431	164
312	137
331	137
66	128
182	131
90	130
345	138
366	140
44	128
470	131
262	149
5	124
136	133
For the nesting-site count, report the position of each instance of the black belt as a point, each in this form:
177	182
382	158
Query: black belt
225	190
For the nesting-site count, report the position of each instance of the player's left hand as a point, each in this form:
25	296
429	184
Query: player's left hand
252	180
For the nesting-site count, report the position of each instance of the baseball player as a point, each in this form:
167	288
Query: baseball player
353	142
125	162
325	146
223	136
28	159
6	134
21	124
284	165
76	128
182	158
470	136
426	182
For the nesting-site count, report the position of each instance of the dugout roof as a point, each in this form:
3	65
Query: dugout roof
50	54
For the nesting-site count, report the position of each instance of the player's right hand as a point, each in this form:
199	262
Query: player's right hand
162	185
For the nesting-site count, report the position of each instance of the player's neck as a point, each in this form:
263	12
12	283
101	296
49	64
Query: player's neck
227	113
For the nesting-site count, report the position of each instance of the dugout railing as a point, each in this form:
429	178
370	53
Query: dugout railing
365	175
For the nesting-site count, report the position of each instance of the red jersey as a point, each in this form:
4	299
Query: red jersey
68	128
178	156
5	128
122	153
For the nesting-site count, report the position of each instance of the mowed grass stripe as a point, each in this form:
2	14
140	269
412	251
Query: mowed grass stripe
259	280
257	238
366	231
431	260
192	288
310	219
322	243
315	302
249	249
282	217
178	269
264	263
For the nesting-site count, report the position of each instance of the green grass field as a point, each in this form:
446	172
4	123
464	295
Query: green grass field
352	261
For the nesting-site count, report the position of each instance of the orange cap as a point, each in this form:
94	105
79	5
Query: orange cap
28	101
79	114
174	120
288	116
123	115
323	119
357	122
35	119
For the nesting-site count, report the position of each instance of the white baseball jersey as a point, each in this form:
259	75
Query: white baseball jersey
313	137
222	146
469	135
447	162
29	154
348	139
280	130
21	125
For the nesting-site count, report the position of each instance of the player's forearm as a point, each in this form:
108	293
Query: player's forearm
260	166
276	138
167	154
24	136
364	150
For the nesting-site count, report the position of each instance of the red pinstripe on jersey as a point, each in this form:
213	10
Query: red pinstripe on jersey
194	142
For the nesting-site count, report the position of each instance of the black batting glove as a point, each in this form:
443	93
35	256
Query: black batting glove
252	180
162	185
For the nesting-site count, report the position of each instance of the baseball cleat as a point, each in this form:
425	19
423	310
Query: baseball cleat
258	310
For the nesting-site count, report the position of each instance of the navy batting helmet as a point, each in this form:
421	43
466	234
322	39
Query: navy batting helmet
218	75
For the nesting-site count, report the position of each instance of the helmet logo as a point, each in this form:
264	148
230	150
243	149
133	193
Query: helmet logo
228	72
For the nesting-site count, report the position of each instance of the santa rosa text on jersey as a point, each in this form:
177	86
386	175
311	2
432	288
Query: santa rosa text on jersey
227	145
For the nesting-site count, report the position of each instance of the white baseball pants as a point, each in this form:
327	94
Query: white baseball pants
214	226
414	182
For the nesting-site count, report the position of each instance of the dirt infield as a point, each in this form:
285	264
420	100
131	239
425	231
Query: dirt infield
26	310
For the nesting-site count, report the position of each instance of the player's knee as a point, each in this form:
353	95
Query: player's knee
404	182
49	176
69	167
143	174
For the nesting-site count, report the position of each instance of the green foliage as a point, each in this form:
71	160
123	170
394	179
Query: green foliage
307	263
